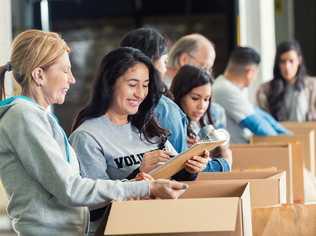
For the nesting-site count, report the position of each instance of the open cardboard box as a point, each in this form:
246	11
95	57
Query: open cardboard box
305	136
289	220
284	157
299	128
266	187
196	213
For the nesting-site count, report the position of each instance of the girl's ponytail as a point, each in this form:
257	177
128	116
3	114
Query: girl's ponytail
3	70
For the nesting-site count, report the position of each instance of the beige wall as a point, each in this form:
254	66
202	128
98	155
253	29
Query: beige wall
6	36
257	30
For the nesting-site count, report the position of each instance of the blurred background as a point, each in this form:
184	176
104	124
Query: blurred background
94	27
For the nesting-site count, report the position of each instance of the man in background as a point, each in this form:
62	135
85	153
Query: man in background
228	91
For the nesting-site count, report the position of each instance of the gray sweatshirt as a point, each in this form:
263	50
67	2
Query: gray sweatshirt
46	192
109	151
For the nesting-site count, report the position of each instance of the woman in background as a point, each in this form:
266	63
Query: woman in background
291	94
192	91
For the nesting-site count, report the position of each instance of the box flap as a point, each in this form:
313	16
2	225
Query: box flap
239	175
206	189
263	192
282	156
173	216
246	208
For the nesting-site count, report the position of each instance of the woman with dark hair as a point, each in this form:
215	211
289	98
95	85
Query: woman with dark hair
192	91
151	43
167	113
291	94
115	135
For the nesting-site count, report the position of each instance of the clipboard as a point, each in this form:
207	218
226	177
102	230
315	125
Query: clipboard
174	165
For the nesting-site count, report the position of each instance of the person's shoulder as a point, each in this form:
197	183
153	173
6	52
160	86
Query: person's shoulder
166	105
89	131
222	84
225	90
91	125
216	107
310	81
219	80
265	87
80	135
27	110
168	102
27	114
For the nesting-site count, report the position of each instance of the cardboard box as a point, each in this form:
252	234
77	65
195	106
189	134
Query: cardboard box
289	220
196	213
3	200
303	135
304	127
284	157
266	187
174	165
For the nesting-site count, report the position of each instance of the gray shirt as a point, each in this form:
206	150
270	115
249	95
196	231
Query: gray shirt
45	189
296	103
109	151
236	105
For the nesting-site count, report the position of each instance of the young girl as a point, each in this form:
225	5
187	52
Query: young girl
192	91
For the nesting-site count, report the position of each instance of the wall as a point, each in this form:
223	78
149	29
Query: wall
6	36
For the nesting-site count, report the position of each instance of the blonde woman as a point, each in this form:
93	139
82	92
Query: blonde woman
38	168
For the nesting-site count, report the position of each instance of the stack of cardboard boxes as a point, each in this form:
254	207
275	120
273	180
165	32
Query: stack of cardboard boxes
263	195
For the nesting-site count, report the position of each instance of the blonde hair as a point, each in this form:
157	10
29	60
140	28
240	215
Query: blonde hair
32	49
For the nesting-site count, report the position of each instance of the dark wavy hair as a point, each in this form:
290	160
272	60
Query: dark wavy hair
188	78
276	95
112	67
152	43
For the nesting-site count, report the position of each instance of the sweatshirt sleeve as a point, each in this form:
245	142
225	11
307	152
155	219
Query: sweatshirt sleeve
278	127
31	138
90	155
257	125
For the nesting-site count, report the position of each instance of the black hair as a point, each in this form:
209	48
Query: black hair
243	56
148	40
151	43
3	70
112	67
276	95
188	78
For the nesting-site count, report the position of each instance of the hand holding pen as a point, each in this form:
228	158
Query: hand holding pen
153	159
192	139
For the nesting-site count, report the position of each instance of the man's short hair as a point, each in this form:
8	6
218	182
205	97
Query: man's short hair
186	44
243	56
